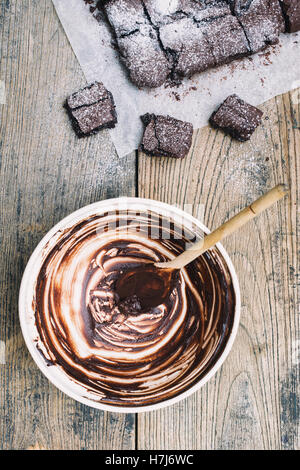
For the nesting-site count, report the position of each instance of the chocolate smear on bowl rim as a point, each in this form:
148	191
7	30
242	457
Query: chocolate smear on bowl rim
131	356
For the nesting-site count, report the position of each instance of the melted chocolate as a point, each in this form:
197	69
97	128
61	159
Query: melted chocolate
123	353
147	285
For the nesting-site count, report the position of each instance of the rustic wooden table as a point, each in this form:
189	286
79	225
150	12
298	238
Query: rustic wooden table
46	173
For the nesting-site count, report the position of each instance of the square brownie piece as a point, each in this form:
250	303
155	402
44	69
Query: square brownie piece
291	13
137	42
162	12
227	39
237	118
125	16
208	10
91	109
188	47
261	20
166	136
146	63
196	42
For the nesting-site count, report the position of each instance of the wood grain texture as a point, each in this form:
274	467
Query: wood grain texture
46	173
251	403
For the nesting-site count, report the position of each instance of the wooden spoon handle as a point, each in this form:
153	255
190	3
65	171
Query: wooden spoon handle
227	228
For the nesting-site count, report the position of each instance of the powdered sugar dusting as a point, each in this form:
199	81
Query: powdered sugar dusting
248	174
237	118
88	96
167	7
192	36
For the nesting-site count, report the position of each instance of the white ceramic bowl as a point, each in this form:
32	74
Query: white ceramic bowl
26	296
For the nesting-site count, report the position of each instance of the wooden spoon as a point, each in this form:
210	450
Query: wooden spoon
152	283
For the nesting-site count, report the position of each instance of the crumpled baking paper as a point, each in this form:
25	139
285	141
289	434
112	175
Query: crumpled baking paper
255	79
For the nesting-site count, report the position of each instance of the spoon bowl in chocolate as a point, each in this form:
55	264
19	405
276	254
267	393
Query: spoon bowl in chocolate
141	359
151	284
117	355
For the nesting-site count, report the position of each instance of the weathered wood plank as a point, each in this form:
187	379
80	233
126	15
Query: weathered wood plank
46	173
251	402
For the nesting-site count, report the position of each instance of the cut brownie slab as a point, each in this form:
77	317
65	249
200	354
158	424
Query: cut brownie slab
91	109
162	39
237	118
291	13
166	136
261	20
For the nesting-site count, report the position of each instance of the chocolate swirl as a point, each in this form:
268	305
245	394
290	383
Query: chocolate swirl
125	356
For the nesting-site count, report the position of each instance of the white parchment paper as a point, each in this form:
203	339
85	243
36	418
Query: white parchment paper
255	79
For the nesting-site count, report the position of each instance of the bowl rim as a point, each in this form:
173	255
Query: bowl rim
27	280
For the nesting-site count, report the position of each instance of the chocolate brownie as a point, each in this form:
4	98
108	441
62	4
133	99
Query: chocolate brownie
161	13
138	42
237	118
162	39
235	45
164	12
91	109
125	16
291	13
261	20
147	65
188	46
166	136
196	41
